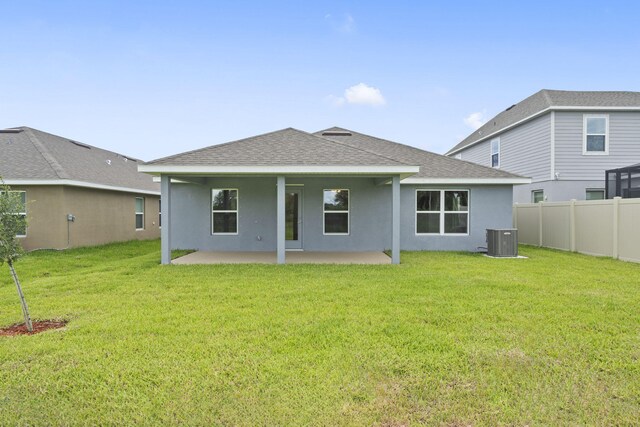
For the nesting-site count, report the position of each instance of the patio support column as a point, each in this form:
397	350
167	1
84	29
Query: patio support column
280	227
395	220
165	231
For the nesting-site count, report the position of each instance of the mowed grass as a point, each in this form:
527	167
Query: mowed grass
444	338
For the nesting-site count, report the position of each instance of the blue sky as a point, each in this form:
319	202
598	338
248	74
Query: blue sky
153	78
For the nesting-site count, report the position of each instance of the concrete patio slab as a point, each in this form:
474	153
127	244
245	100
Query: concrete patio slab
297	257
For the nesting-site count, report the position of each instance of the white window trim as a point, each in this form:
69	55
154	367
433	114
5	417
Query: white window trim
140	213
24	213
159	213
533	200
585	117
348	212
492	153
442	212
236	211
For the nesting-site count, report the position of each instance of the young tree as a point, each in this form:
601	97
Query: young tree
12	224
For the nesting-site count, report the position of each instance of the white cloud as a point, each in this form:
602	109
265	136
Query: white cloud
360	94
475	120
346	24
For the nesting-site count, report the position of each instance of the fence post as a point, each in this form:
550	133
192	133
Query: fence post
616	225
540	224
572	225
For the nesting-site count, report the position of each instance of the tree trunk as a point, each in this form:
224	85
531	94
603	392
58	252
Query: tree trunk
25	309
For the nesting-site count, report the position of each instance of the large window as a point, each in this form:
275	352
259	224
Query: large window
495	153
596	134
336	211
139	213
224	207
442	212
22	210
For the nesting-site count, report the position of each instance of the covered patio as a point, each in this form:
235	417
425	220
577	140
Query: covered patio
292	257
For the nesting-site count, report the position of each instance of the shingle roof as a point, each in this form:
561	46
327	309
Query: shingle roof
284	147
432	165
331	147
547	99
33	155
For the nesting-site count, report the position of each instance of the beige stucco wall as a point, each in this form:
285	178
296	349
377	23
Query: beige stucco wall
100	217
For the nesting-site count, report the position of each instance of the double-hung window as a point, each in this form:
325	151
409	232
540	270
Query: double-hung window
596	134
336	211
224	211
495	153
444	212
21	211
139	213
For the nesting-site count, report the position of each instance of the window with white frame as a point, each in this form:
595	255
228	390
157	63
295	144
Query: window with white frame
336	211
444	212
495	153
224	211
159	213
595	194
22	209
596	134
537	196
139	213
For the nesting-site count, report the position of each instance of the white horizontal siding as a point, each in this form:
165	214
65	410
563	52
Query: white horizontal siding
525	150
624	145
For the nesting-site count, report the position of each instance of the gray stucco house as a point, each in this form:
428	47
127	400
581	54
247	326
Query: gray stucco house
563	140
334	190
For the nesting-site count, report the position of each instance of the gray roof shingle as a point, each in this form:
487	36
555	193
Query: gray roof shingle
544	99
331	147
283	147
30	154
432	165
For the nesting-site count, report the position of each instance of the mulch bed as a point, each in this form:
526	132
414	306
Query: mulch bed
38	326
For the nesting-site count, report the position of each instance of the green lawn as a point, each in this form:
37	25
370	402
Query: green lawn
444	338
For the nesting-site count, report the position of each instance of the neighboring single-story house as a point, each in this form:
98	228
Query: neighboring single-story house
335	190
75	194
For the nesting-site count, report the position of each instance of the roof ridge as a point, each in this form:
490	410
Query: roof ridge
362	149
218	145
547	96
76	141
357	148
42	149
419	149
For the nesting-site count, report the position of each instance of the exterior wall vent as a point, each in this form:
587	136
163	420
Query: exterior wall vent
502	243
337	133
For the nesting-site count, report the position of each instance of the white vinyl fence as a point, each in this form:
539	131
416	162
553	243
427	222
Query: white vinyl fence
594	227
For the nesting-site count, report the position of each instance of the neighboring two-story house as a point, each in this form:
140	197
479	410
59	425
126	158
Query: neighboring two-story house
563	140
